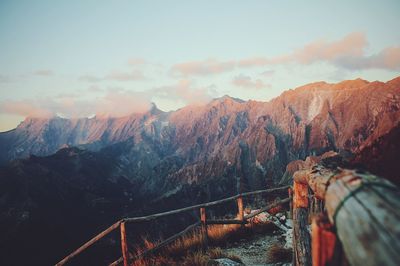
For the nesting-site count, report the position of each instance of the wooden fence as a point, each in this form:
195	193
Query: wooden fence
359	224
127	257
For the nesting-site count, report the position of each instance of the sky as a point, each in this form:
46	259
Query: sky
112	58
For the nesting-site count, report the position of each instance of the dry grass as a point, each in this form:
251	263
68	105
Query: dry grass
216	253
277	253
196	259
189	243
186	250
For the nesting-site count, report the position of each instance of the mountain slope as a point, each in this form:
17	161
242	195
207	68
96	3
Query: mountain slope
381	157
253	139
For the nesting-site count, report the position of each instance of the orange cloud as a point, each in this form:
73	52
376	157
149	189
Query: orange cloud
185	91
352	45
118	104
24	108
246	82
348	52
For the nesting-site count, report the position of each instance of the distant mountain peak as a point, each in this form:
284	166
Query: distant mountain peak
352	83
226	98
154	110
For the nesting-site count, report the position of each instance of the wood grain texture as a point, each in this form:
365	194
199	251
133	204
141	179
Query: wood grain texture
365	211
301	235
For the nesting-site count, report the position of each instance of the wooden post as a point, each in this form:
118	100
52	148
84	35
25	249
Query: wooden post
204	232
325	247
240	209
124	245
290	191
301	236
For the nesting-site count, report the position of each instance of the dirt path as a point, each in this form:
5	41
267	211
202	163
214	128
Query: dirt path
254	251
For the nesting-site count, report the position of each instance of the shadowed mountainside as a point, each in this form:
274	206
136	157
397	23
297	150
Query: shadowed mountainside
382	156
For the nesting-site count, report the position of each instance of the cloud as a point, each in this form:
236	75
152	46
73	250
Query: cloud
388	58
202	68
186	91
118	104
24	108
125	76
43	72
352	45
247	82
267	73
115	76
348	53
113	104
136	61
94	88
253	61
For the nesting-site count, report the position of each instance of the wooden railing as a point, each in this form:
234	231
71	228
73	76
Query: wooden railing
359	224
127	257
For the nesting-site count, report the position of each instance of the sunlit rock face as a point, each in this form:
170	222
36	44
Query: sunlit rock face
246	138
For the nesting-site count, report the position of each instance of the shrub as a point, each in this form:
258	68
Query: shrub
277	253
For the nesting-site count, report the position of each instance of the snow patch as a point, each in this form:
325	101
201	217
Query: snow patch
315	106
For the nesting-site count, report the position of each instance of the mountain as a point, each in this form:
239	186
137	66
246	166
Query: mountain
253	138
84	173
381	157
48	205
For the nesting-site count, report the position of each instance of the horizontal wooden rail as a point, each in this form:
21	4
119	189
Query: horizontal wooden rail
160	245
203	205
89	243
363	208
209	222
266	208
181	210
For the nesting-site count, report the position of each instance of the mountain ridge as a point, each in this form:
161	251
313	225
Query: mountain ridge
309	119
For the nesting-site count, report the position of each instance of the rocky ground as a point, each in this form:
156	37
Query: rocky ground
255	251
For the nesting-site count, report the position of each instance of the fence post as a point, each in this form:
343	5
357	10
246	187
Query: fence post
301	236
240	208
204	232
290	191
124	245
326	249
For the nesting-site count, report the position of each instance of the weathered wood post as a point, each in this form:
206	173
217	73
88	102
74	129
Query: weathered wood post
124	245
364	210
204	232
301	236
290	191
240	208
325	246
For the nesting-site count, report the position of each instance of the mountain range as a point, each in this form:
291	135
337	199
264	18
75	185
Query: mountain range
115	167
